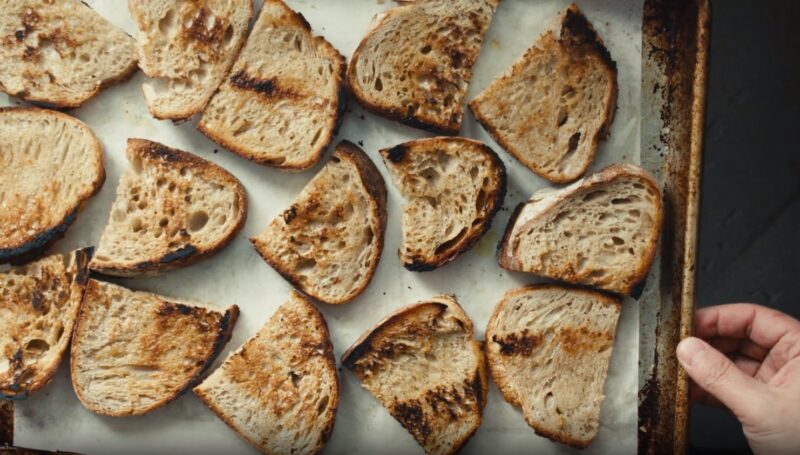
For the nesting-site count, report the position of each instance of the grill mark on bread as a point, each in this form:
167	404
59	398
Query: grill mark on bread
269	88
411	417
513	344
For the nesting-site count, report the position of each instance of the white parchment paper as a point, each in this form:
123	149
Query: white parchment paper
54	419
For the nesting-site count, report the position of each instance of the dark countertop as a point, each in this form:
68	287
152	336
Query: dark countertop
750	207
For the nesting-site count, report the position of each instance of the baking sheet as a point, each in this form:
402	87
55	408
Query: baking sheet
54	419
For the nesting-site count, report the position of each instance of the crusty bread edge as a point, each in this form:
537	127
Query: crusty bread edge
34	248
391	113
507	261
192	110
188	254
224	331
492	360
341	105
78	261
602	133
364	344
373	183
494	198
334	400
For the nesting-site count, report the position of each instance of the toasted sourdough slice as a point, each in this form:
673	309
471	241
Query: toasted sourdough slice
284	99
133	352
39	304
50	165
415	63
280	390
600	231
187	49
172	209
550	109
548	349
60	53
453	188
329	241
423	364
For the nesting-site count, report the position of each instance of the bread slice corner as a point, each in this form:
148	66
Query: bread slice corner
51	165
452	187
535	335
600	231
415	63
41	301
394	360
284	99
172	209
134	351
279	390
187	48
551	108
329	241
60	54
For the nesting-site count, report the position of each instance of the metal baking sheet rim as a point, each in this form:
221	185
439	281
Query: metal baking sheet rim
675	39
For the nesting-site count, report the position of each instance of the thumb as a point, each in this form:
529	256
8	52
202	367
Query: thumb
717	375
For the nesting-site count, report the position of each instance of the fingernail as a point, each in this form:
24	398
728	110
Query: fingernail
689	349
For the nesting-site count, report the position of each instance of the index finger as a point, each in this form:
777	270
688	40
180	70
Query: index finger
764	326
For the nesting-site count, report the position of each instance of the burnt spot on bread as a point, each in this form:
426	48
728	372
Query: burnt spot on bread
171	308
576	30
289	214
268	88
34	247
418	264
514	344
82	259
397	153
37	300
179	254
302	19
199	30
412	418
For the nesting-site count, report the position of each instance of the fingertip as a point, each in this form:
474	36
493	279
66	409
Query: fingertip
688	350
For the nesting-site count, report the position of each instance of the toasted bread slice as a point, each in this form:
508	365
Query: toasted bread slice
600	231
329	242
172	209
415	63
423	364
60	53
50	165
453	188
187	49
40	304
536	335
284	99
553	106
133	352
279	390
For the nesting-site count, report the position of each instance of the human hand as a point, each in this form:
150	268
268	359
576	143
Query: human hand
749	363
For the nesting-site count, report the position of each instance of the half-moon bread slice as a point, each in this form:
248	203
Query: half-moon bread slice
187	48
329	241
416	62
553	106
423	364
39	303
50	165
600	231
284	98
172	209
548	349
453	187
279	390
61	53
133	352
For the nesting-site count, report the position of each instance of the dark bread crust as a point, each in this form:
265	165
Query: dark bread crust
505	388
187	254
15	390
338	115
507	260
494	198
375	186
578	34
167	309
36	245
410	416
330	361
